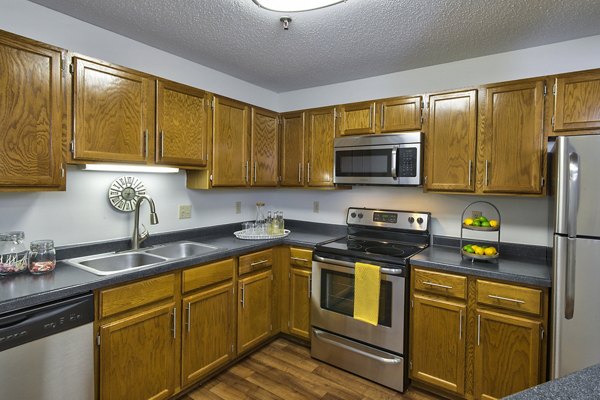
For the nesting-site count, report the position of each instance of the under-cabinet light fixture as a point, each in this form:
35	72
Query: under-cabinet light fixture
129	168
295	5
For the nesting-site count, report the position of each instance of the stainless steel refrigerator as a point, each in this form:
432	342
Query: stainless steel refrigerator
575	341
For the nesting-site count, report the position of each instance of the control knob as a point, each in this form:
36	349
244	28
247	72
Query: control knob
411	220
360	215
419	220
353	215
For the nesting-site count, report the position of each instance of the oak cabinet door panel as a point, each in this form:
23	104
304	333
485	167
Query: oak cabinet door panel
292	149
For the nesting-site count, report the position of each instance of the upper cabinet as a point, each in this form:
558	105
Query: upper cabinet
321	132
577	103
183	121
292	138
32	123
264	148
383	116
450	141
231	166
113	113
511	141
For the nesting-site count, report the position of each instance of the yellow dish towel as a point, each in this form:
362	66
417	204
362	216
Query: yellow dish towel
367	279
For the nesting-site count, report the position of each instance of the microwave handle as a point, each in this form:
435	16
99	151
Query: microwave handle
394	163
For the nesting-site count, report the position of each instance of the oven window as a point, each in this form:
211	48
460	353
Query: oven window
363	162
337	295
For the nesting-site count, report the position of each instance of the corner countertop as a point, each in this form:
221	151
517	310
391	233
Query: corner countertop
27	290
584	384
528	271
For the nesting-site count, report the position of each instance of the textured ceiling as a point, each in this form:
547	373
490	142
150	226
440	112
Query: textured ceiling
355	39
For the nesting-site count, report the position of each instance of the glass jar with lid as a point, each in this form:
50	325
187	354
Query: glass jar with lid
14	255
42	257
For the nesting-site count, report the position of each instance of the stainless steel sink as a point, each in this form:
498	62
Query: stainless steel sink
108	264
181	250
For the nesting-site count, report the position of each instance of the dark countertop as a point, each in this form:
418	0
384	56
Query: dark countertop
529	271
584	384
27	290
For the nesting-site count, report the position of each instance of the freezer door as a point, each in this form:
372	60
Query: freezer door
577	180
576	305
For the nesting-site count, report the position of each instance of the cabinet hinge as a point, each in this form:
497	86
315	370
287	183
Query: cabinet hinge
212	103
425	179
98	340
543	181
554	89
542	333
71	68
73	146
410	365
232	348
211	177
545	90
289	275
271	327
335	113
288	324
271	276
412	304
553	121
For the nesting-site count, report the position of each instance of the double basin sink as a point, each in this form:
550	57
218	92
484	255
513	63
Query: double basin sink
114	263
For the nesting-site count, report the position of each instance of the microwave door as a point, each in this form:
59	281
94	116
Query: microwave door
368	165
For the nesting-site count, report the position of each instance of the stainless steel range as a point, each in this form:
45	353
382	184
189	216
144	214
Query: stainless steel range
386	238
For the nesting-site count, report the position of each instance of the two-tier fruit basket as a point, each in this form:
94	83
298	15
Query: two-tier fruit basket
473	220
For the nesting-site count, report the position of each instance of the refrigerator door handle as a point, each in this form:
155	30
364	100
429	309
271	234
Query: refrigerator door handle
570	278
573	195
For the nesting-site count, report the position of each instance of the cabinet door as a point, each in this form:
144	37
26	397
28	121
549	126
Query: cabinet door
450	142
31	114
438	343
292	149
113	111
264	148
507	354
358	118
254	310
231	166
401	114
208	332
577	102
300	302
512	138
183	125
321	132
137	355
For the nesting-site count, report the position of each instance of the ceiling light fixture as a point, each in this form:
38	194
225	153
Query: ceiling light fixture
129	168
295	5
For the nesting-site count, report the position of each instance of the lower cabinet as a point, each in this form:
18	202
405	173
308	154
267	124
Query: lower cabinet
299	292
482	340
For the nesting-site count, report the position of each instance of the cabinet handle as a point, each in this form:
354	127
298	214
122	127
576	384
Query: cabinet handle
174	323
243	296
309	285
460	325
487	167
146	143
299	259
189	317
506	299
299	172
478	329
258	263
371	113
437	285
247	166
255	168
382	111
162	143
470	169
308	172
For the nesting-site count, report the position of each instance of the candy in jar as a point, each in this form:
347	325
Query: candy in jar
42	257
13	253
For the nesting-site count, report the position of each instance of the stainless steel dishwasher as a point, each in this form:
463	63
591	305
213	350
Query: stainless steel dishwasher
47	353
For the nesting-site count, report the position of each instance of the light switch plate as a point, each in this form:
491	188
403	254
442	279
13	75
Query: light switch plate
185	211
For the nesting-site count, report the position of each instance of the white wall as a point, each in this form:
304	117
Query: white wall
82	213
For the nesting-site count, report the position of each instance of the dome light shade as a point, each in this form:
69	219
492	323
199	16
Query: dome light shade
295	5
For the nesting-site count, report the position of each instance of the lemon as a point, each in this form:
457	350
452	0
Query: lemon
493	223
468	221
479	251
490	251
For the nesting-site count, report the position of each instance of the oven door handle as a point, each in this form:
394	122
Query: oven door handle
331	339
386	271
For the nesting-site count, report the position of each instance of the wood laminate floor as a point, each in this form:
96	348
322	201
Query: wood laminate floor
284	371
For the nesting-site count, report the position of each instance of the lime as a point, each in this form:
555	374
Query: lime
470	249
483	219
476	223
485	224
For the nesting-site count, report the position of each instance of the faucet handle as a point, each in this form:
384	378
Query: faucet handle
144	234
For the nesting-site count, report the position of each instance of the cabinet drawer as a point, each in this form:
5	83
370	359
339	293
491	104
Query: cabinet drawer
255	261
440	283
511	297
133	295
208	274
300	257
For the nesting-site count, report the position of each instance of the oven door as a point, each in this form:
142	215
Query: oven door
332	304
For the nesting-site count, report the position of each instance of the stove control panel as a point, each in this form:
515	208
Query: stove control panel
391	219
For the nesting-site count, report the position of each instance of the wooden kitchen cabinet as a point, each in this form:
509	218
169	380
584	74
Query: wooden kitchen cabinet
264	148
577	103
502	323
32	114
113	111
511	139
300	289
184	125
254	309
399	114
321	132
231	165
450	142
357	118
292	149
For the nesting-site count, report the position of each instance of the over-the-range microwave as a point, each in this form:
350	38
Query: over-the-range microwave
390	159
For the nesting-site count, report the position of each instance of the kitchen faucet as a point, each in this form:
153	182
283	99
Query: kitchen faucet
137	238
